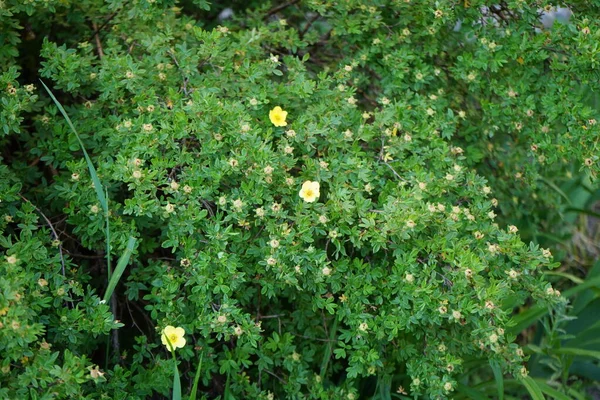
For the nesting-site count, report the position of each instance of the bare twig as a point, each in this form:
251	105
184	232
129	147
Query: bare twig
97	30
271	316
394	171
272	374
184	88
77	255
208	207
98	42
311	338
131	316
279	8
115	332
308	25
60	249
382	159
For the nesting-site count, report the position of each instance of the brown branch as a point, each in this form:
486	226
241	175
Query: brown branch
60	249
311	338
308	25
98	42
279	8
272	374
99	29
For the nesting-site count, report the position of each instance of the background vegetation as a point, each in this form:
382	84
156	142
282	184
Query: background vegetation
451	250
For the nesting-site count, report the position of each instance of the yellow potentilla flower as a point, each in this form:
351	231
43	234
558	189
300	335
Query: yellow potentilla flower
278	116
174	336
310	191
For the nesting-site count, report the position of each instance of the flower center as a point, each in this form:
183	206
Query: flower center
309	193
172	338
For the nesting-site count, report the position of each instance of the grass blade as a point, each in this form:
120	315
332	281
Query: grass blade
196	380
93	174
527	318
499	378
532	387
470	393
589	283
573	351
550	391
556	189
566	275
227	394
107	235
534	313
385	387
176	384
584	211
328	352
123	261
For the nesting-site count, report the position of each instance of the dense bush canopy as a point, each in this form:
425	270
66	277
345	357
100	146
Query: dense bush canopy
327	198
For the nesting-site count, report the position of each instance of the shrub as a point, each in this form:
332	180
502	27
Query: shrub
395	275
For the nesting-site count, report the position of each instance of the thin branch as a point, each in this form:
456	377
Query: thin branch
279	8
311	338
115	332
133	319
394	171
308	25
60	249
97	30
272	374
98	42
208	207
77	255
381	158
271	316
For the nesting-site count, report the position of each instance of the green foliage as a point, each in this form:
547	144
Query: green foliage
420	124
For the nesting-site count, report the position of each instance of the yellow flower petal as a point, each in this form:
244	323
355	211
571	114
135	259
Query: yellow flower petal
278	116
310	191
174	336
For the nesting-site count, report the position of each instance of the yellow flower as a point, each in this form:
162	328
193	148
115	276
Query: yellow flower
310	191
174	336
277	116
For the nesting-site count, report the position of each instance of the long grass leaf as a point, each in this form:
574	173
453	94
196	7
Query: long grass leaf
576	394
328	351
573	351
196	379
589	283
584	211
93	174
176	384
470	393
556	189
532	387
385	387
550	391
499	378
227	394
527	318
536	312
575	279
176	377
123	261
107	235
